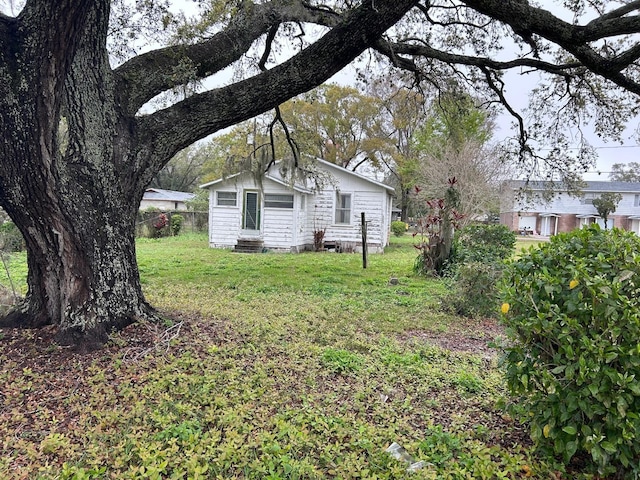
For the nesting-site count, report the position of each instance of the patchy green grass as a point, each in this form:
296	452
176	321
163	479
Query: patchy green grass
524	243
272	366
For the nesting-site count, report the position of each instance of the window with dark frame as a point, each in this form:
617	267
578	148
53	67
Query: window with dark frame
343	208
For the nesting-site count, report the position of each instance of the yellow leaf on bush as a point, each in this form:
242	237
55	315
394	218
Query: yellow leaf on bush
545	430
505	308
573	284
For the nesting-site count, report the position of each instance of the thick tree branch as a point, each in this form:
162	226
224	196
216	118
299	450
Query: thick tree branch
619	12
525	20
150	74
167	131
394	50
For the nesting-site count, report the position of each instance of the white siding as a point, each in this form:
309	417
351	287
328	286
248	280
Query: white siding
304	221
371	201
224	222
278	223
164	205
292	229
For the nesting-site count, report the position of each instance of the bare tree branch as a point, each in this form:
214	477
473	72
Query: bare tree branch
394	50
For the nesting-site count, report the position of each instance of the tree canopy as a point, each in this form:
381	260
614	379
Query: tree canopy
83	137
621	172
606	204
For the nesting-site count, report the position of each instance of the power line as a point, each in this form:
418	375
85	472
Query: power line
612	147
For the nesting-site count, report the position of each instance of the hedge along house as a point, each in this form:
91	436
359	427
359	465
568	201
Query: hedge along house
276	215
564	211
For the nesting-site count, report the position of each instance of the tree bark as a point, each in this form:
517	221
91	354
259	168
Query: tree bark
72	195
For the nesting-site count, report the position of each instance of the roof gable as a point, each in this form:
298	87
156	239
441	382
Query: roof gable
333	166
268	176
274	175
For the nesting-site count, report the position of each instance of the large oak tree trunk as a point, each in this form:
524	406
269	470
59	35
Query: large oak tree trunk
69	183
82	274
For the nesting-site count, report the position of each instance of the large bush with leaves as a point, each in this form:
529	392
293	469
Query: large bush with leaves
572	308
398	228
483	243
476	266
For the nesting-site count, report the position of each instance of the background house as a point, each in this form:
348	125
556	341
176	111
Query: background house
565	212
165	200
278	216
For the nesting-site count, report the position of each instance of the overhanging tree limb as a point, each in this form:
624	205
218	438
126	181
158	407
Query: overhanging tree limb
150	74
169	130
525	20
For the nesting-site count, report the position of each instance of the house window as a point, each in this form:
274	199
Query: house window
636	201
226	199
272	200
587	198
343	208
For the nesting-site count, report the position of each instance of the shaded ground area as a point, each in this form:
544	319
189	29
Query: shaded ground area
54	378
37	348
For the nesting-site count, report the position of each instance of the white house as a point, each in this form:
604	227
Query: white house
565	212
278	216
165	200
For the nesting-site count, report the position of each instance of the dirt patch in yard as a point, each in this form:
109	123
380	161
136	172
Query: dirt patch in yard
473	336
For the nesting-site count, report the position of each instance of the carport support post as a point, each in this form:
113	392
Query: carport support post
364	240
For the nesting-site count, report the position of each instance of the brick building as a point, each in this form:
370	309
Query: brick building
526	211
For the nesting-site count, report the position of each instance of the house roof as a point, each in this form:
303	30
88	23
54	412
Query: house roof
355	174
591	186
268	176
276	178
167	195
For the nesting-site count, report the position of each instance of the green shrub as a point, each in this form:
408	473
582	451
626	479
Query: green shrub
572	308
473	289
483	243
176	223
10	237
398	228
476	267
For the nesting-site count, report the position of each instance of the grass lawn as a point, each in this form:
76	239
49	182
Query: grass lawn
272	366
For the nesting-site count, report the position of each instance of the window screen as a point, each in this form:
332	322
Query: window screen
227	199
343	208
278	201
